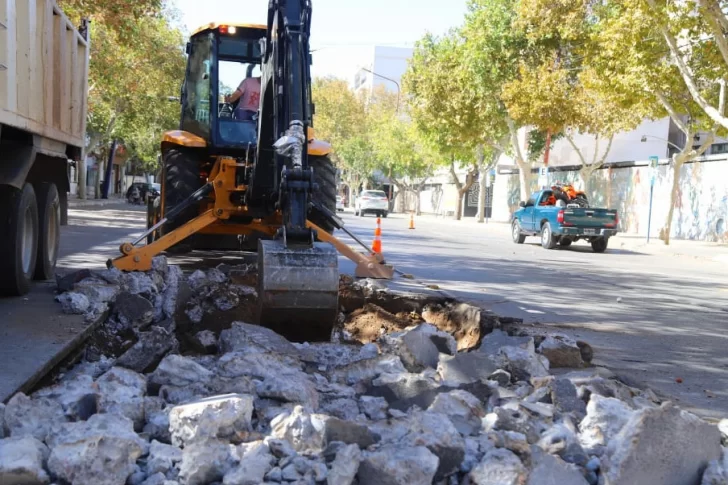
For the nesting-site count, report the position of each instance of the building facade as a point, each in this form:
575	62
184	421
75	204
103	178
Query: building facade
385	68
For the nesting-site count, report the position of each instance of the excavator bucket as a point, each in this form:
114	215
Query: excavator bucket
298	289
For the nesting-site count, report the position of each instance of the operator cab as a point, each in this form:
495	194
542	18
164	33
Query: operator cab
220	58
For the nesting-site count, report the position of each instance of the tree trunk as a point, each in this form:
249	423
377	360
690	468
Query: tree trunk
418	212
461	198
524	168
524	177
480	158
481	195
677	165
97	181
81	176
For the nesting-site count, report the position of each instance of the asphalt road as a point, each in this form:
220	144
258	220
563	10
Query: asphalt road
651	318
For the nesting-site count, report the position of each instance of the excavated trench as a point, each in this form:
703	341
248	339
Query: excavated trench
211	301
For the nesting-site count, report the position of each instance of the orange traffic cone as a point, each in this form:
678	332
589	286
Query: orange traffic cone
377	243
412	221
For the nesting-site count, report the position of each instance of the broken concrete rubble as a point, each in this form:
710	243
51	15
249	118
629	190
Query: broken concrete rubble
663	446
223	417
561	351
397	465
102	450
439	393
22	461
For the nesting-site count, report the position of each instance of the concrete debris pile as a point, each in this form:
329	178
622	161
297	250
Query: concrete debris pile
408	407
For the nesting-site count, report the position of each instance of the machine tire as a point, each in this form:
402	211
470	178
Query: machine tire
385	214
599	245
49	230
565	243
324	173
548	241
153	214
181	179
19	226
516	234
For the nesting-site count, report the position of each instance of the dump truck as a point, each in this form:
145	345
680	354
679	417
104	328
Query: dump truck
44	62
235	181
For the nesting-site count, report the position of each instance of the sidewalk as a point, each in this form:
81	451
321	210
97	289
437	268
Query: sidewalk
76	203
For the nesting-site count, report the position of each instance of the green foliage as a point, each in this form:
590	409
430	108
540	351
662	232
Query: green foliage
137	62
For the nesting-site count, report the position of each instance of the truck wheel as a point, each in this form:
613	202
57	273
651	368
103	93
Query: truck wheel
49	229
19	241
324	174
565	243
518	237
599	245
548	241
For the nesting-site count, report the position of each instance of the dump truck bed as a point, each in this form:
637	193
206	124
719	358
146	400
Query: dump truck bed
43	72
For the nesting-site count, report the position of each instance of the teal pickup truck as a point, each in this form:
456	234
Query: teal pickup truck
559	224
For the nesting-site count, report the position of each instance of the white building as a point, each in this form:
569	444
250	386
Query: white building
385	68
659	138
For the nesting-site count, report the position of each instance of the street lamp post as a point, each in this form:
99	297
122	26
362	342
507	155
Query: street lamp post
644	140
399	90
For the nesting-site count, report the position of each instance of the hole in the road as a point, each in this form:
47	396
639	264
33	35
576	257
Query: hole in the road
212	299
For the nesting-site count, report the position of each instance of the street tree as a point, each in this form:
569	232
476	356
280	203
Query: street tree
557	89
448	116
696	35
492	47
401	153
137	62
633	62
341	120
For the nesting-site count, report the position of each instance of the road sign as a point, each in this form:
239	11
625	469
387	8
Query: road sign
654	160
543	177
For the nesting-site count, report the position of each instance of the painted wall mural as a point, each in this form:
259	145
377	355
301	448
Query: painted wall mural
701	208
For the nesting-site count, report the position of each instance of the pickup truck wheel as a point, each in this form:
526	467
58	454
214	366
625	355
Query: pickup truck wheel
548	241
518	238
565	243
599	245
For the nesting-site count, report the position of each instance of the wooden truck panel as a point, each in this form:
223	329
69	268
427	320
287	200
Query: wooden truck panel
43	71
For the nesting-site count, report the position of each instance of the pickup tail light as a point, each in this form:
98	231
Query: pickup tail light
615	223
560	217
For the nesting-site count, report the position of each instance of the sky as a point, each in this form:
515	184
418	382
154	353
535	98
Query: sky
343	31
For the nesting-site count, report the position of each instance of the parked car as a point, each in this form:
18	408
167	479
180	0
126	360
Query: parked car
373	202
339	203
145	189
563	224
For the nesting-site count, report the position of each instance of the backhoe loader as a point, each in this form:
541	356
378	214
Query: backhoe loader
265	184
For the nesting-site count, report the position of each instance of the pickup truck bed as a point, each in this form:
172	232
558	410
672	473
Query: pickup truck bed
562	226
